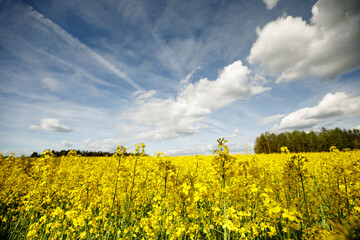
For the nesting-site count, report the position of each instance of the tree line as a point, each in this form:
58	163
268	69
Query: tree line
80	152
300	141
84	153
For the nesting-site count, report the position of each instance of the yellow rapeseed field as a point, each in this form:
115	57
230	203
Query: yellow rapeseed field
222	196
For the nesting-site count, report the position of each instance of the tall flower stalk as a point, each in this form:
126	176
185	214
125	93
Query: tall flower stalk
120	152
222	162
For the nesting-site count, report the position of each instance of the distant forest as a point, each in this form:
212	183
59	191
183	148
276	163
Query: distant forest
80	152
300	141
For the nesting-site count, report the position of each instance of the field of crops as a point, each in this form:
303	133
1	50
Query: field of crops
222	196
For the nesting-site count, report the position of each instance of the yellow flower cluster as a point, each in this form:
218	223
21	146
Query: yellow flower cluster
223	196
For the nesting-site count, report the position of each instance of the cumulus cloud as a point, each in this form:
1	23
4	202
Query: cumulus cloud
51	84
271	119
332	105
325	48
173	117
51	125
270	4
66	144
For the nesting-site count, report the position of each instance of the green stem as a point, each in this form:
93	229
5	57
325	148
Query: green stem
224	197
132	187
116	183
347	198
304	194
339	203
165	187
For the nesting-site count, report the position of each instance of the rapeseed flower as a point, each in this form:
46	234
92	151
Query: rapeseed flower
134	196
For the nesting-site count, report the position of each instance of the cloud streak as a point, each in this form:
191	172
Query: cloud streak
73	41
271	119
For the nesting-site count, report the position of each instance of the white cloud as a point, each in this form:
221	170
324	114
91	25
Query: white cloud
108	144
281	43
234	148
202	150
168	131
205	96
357	127
53	125
325	48
50	125
271	119
17	152
51	84
339	104
66	144
234	134
91	144
34	127
169	118
270	4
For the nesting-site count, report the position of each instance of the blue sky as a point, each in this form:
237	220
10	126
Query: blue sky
176	75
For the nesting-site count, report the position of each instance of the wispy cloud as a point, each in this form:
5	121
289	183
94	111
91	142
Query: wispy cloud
91	144
189	76
108	144
51	84
187	40
205	149
325	48
66	144
234	134
34	127
271	119
73	41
